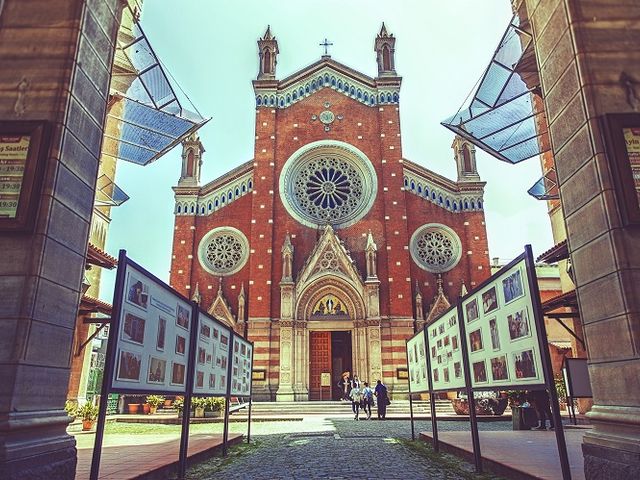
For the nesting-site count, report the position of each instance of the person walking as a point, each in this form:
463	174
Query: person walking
382	399
344	384
356	399
367	399
540	400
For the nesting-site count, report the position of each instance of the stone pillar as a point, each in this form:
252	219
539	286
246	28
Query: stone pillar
301	361
285	389
375	353
360	351
61	53
580	75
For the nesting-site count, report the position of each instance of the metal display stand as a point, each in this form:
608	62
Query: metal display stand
110	362
576	382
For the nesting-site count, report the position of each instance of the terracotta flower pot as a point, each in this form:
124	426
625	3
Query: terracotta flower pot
146	408
133	408
153	409
167	403
87	425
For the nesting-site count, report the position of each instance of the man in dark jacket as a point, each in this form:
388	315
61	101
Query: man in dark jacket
540	400
382	399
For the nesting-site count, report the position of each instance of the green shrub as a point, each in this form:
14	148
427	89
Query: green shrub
88	411
71	407
155	400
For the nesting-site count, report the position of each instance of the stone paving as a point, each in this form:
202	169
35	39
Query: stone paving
319	448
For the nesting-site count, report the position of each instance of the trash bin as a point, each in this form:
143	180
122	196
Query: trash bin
524	418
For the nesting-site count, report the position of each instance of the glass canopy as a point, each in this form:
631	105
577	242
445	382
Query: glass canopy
147	116
504	117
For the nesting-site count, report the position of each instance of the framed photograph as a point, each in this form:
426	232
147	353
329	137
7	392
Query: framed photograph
525	364
199	379
495	336
215	333
499	369
209	357
157	370
475	340
439	343
441	329
454	343
457	369
177	373
259	375
518	324
512	287
452	321
223	364
224	341
205	332
421	350
439	359
236	347
445	375
446	341
182	317
129	366
202	356
133	329
436	376
181	344
223	381
479	372
434	332
212	380
489	300
472	311
162	332
243	350
433	351
137	292
24	148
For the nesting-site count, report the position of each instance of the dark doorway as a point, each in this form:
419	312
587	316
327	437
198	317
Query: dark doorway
329	352
340	360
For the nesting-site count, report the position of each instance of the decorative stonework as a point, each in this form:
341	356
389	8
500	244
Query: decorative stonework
435	248
223	251
328	182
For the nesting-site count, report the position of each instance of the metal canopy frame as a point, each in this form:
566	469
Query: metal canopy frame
502	118
108	194
546	188
149	118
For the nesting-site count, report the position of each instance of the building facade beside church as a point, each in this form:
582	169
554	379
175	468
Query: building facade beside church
328	249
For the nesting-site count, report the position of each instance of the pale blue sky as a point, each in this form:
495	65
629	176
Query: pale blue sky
442	49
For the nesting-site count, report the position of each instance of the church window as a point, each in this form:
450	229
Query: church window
366	97
272	100
259	101
473	205
223	199
190	163
339	84
223	251
217	203
435	248
455	207
328	182
244	188
281	102
210	206
267	61
250	184
466	159
433	195
388	98
333	81
352	91
288	98
306	88
313	84
193	208
479	204
326	79
230	195
386	58
448	203
237	192
396	98
466	204
359	95
202	210
440	199
295	96
406	182
179	210
419	188
301	92
413	185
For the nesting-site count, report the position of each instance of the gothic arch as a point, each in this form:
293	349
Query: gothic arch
330	284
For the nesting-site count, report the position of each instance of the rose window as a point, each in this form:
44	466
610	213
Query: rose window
328	184
435	248
223	251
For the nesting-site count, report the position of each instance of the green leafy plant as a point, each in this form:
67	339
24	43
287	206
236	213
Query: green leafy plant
88	411
155	400
198	402
71	407
214	404
178	404
560	387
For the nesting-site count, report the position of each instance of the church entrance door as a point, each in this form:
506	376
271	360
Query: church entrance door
329	352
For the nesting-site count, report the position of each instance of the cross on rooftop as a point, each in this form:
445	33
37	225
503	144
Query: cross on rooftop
326	44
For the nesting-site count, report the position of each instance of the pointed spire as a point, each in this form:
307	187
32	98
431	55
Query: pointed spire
418	294
383	31
439	281
463	289
287	247
440	303
220	286
385	53
241	294
267	35
196	294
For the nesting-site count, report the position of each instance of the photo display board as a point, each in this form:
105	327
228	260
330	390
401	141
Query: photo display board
241	367
417	361
154	329
447	369
212	357
501	331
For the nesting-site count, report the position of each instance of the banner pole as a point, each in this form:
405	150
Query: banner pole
109	363
190	374
546	364
406	351
475	439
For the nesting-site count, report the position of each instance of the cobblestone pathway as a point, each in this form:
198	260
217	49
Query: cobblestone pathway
332	449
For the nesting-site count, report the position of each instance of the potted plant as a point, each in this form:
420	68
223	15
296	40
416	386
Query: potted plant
133	408
167	403
71	407
153	401
561	390
89	413
199	404
213	406
178	404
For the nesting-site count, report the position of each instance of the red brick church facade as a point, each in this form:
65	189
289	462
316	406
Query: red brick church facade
329	248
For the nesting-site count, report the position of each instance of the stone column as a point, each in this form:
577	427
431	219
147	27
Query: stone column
55	63
581	76
359	350
375	352
301	362
285	389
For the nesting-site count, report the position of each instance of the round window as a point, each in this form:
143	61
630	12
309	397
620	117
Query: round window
435	248
223	251
328	183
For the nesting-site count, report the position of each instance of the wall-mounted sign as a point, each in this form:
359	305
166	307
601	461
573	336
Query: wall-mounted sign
23	149
325	379
622	143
